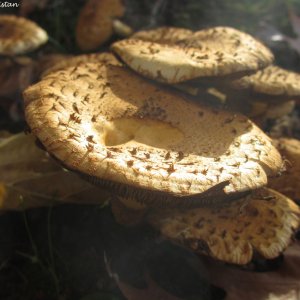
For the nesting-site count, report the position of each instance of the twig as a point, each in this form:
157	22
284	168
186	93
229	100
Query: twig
157	9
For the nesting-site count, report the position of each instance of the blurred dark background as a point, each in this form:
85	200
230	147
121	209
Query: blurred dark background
262	18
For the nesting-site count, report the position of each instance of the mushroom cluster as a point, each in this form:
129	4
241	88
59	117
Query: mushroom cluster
18	37
230	66
196	172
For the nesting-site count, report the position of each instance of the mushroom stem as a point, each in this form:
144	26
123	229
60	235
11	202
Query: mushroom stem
121	28
125	215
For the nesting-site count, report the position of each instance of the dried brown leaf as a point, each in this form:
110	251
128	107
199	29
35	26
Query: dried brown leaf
30	178
281	284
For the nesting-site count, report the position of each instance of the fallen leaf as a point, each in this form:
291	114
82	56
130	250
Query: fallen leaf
30	178
282	284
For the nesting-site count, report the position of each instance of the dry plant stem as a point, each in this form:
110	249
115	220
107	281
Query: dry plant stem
157	10
36	257
121	28
126	215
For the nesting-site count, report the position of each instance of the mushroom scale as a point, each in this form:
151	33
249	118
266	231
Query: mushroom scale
108	123
217	51
19	35
263	222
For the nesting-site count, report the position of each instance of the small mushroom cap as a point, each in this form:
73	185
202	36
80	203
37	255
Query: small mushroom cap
19	35
104	57
109	123
278	110
263	222
258	109
94	25
211	52
273	81
288	182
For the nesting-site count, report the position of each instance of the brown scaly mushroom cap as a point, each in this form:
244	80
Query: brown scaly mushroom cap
264	223
288	183
163	35
259	109
19	35
216	51
108	123
95	22
273	81
104	57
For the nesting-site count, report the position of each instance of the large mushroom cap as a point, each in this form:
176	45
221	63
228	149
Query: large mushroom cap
263	222
94	26
211	52
107	122
288	183
271	80
19	35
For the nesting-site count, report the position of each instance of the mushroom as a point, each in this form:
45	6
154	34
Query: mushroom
259	96
259	111
104	57
170	35
97	22
277	83
288	183
218	51
19	35
151	145
262	223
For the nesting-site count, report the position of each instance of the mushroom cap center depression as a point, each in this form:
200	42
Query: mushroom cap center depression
147	131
